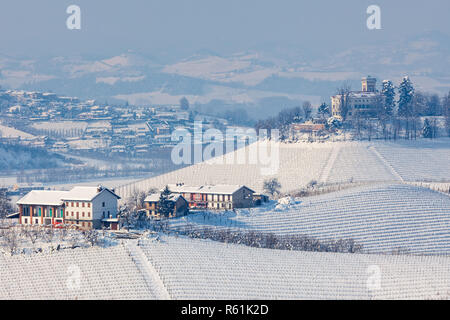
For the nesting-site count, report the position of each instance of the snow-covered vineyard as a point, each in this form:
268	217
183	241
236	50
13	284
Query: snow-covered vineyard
179	268
383	218
337	162
93	273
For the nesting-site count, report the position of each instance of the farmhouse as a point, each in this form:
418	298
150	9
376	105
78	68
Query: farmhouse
180	207
219	197
299	129
84	207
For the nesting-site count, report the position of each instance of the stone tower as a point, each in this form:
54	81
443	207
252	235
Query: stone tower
368	84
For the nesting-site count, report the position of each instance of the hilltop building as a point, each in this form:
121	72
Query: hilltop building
359	103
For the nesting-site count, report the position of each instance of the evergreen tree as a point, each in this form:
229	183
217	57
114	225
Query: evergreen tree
184	103
406	92
388	92
427	131
165	206
446	112
324	110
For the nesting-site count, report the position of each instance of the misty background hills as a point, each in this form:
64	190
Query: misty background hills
263	80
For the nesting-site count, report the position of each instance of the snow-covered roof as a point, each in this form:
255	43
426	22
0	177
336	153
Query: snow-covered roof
154	197
363	94
86	193
56	198
208	189
43	198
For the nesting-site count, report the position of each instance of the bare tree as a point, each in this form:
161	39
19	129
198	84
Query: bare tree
33	233
74	239
91	236
136	200
127	216
10	239
446	112
307	109
343	93
49	234
272	186
5	204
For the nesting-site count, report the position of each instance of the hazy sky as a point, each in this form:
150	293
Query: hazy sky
32	28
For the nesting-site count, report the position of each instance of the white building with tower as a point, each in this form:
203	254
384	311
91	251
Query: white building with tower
359	103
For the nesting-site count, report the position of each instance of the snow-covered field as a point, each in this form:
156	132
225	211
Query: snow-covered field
93	273
196	269
383	218
180	268
60	125
8	132
331	162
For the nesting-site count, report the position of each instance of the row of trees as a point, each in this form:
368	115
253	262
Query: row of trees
272	241
14	238
286	117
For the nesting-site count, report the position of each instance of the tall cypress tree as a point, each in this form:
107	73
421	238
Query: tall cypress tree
406	92
165	206
427	131
388	92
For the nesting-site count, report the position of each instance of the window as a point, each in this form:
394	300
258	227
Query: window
72	204
89	214
67	204
89	204
82	204
103	204
78	204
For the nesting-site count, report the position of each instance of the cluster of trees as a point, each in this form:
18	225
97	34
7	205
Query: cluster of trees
272	241
397	113
286	117
132	213
399	117
272	186
5	204
13	238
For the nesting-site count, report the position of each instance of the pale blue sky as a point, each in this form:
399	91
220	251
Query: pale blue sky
34	28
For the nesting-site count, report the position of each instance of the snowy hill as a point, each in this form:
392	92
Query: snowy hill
333	162
383	218
196	269
76	274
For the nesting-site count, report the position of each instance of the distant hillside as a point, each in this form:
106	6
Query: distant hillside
15	157
329	163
